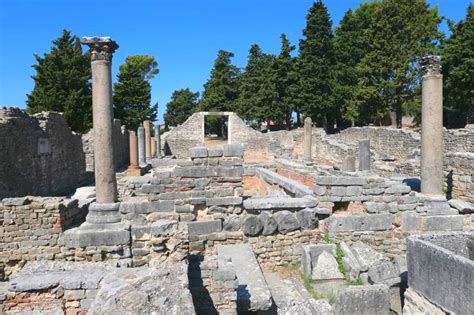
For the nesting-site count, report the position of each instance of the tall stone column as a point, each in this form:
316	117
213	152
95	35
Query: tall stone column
158	140
141	147
146	126
102	226
101	49
153	147
431	126
308	127
133	169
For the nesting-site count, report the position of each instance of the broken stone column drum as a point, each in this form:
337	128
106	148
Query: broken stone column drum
431	126
141	146
307	141
146	126
102	115
158	140
153	147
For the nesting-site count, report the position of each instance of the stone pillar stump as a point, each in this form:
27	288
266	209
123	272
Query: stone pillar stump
141	147
133	169
307	141
146	126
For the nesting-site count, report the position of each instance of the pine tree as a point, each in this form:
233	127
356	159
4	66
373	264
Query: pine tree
256	90
62	83
132	91
351	44
458	72
314	94
182	104
403	31
221	91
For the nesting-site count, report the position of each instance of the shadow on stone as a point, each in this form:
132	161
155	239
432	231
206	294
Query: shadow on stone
201	298
414	183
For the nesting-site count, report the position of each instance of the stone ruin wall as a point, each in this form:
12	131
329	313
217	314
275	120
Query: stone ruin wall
40	155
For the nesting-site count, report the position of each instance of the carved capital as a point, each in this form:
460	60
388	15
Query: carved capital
430	65
101	48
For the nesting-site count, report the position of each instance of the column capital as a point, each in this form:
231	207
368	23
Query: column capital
101	48
430	65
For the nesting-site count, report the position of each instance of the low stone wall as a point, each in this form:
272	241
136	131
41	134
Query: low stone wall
31	228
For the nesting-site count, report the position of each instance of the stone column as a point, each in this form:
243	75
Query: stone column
308	126
102	226
364	155
101	49
153	147
146	126
141	147
133	169
158	140
431	126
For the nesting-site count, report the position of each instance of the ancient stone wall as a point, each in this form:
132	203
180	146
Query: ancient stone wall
39	154
31	228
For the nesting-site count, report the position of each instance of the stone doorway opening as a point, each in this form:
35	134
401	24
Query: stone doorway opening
216	129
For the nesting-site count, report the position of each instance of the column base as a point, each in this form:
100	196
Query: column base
134	170
97	235
437	205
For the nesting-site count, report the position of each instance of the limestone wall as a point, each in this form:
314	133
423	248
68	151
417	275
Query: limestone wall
31	228
40	155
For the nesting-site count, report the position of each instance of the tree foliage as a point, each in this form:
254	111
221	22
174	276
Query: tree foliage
132	91
183	103
221	91
62	83
458	72
315	66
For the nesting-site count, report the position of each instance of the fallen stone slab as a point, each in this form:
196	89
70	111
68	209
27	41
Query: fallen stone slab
276	203
288	184
462	206
351	264
85	192
370	222
253	293
366	255
363	300
384	271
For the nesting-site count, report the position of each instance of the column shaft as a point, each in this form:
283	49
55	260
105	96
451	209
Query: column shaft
307	141
146	126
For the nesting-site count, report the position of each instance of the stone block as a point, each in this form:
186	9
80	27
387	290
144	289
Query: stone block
252	225
286	221
136	205
198	152
340	181
311	253
17	201
462	206
351	264
398	189
295	187
362	300
307	219
204	227
372	222
275	203
375	207
224	201
214	152
444	223
232	223
383	271
268	222
97	235
233	150
366	255
326	268
161	206
411	221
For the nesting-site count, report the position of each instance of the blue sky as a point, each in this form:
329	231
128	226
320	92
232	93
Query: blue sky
183	35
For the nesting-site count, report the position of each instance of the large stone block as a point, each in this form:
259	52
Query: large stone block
326	268
275	203
462	206
311	254
363	300
366	255
230	150
286	221
444	223
252	225
269	223
441	275
198	152
384	271
296	188
308	219
97	235
204	227
372	222
351	264
224	201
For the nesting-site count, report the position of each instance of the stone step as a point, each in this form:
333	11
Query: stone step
253	293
